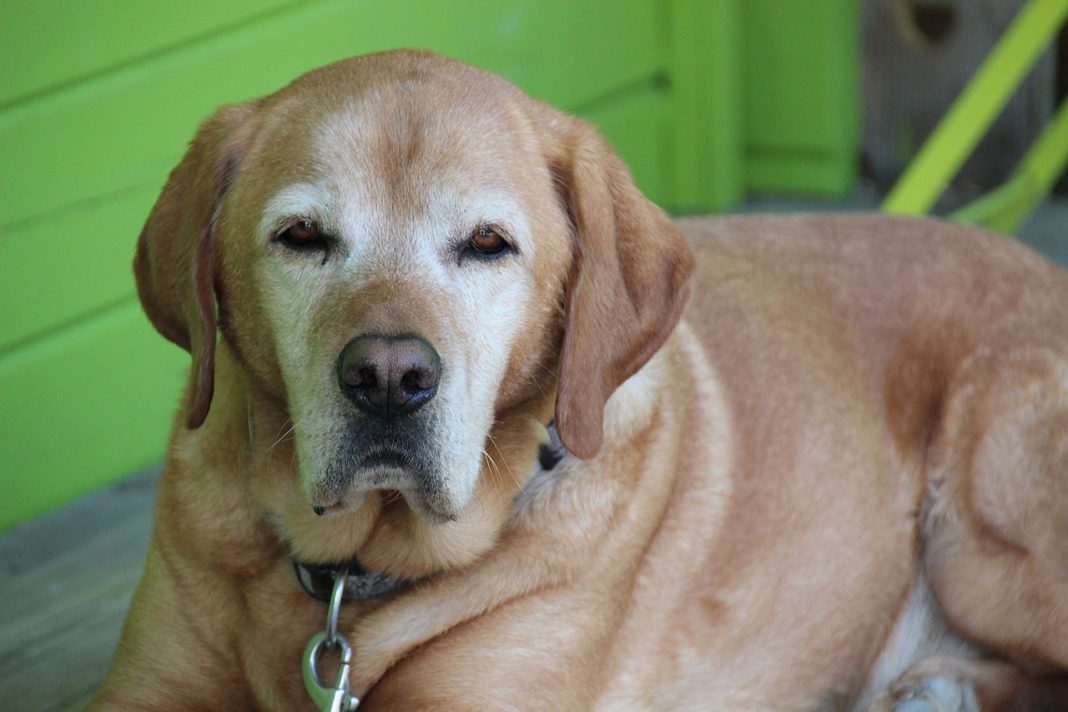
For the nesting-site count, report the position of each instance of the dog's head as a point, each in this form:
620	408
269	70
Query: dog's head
402	248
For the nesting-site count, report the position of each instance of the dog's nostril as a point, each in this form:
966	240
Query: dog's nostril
366	378
414	381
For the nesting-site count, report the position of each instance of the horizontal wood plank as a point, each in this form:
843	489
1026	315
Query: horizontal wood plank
69	264
44	43
83	407
126	128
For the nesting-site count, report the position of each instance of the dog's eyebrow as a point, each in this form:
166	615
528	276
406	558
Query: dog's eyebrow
298	199
499	211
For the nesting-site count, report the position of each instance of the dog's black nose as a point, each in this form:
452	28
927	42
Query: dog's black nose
388	375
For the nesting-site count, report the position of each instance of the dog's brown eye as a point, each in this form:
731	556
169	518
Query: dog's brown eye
301	233
487	241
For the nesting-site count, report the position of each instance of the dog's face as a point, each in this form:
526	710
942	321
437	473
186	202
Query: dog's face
400	243
392	243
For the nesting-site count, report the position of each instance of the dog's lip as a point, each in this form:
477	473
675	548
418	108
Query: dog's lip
415	498
389	457
342	504
391	473
428	507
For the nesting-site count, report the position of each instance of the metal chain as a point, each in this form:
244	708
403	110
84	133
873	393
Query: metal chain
336	698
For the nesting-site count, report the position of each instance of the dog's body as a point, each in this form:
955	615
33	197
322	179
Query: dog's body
837	481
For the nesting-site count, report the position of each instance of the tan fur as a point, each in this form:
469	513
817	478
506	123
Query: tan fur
845	458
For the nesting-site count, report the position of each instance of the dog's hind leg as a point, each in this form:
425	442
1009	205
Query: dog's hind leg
996	527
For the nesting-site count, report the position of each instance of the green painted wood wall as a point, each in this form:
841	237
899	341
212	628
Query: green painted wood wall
98	98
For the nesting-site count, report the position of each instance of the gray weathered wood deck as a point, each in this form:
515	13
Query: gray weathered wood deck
65	581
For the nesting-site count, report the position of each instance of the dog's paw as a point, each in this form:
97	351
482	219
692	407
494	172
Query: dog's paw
937	694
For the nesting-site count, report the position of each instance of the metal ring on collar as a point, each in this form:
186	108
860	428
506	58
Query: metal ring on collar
332	612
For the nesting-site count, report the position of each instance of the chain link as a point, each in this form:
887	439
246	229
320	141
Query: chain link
336	698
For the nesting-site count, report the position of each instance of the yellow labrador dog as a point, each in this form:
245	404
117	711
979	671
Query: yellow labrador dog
807	463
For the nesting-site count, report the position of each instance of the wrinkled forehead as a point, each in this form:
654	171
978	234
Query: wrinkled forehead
403	147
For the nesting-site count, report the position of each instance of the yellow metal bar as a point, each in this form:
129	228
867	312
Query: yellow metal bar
1040	169
1005	208
986	209
977	107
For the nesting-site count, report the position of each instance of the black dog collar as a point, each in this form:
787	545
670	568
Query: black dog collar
550	454
360	584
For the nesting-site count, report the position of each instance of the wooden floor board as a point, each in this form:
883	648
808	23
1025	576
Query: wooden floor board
65	582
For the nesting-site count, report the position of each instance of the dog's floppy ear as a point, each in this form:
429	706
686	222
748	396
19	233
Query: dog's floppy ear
628	283
175	264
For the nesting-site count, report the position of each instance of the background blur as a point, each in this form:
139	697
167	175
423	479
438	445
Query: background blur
717	105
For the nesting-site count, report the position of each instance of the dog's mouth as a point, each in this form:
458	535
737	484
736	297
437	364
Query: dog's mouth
395	473
431	507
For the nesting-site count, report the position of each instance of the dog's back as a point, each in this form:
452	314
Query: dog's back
957	340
